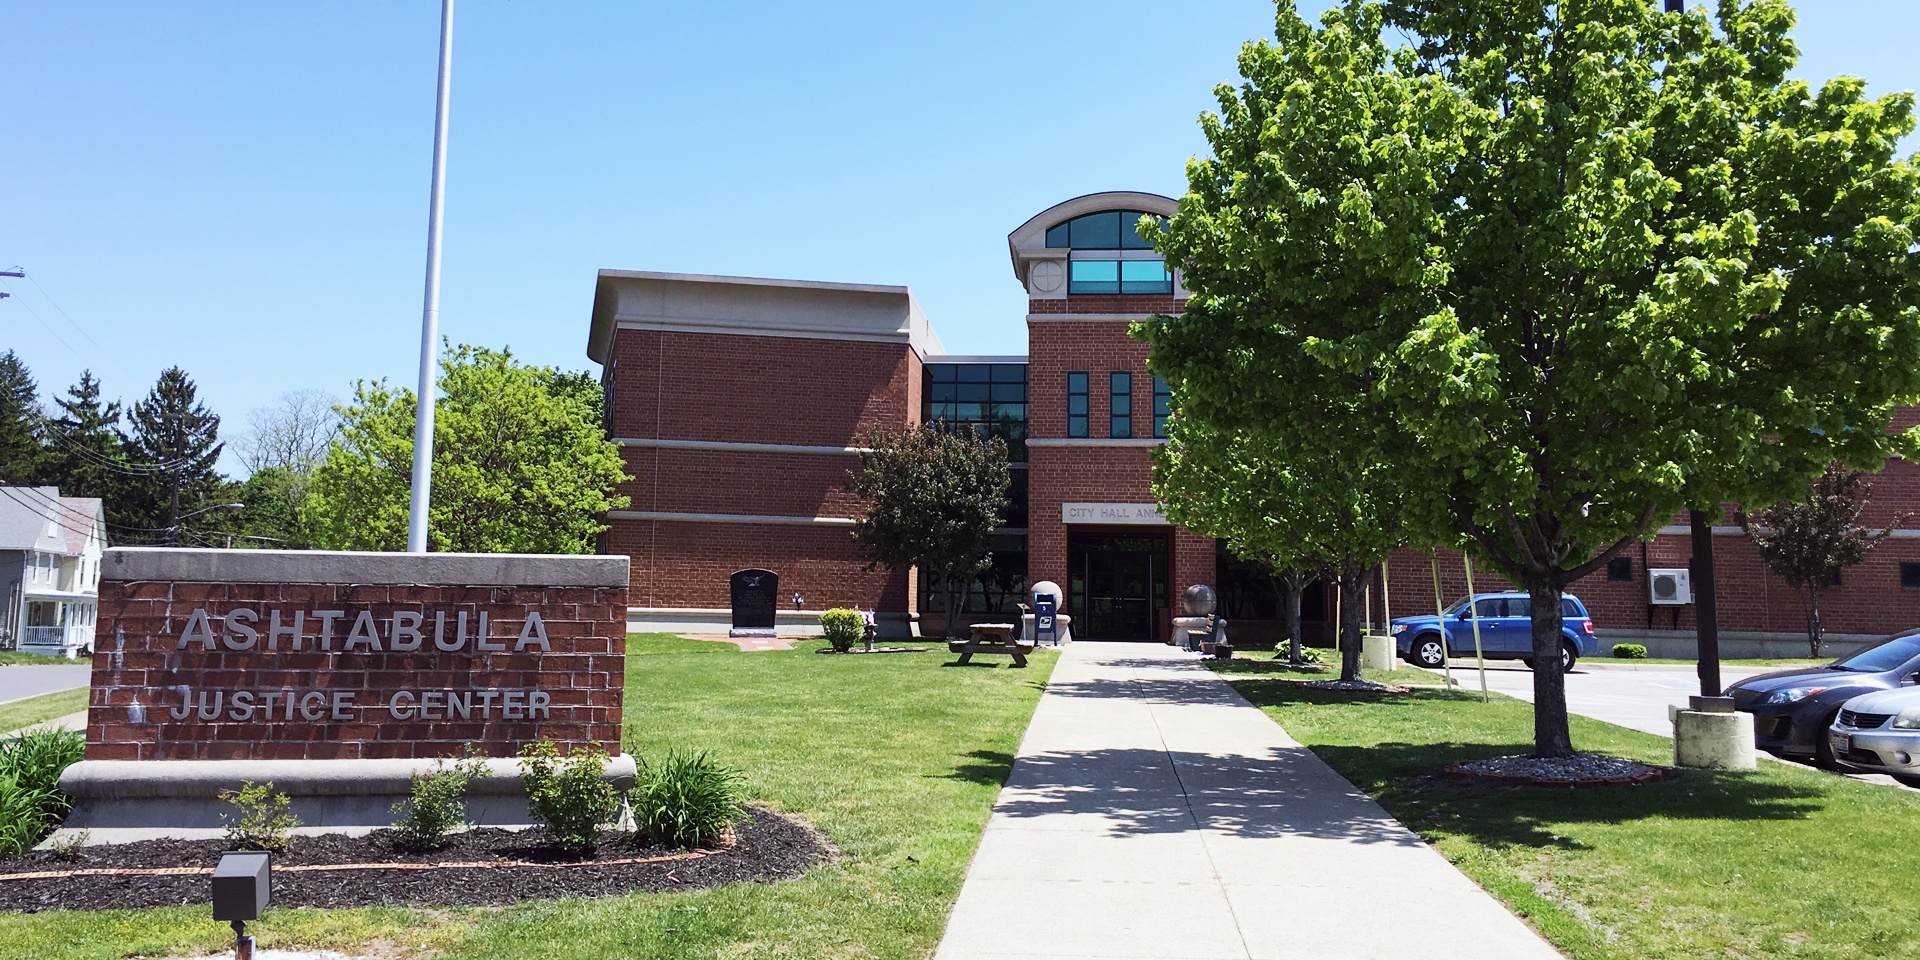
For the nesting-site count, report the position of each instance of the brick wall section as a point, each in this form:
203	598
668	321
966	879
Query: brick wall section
140	672
1112	303
758	389
686	564
752	389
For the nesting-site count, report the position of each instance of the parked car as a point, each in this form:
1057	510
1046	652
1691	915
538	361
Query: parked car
1792	709
1506	631
1879	733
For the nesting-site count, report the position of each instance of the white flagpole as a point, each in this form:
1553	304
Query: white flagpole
430	315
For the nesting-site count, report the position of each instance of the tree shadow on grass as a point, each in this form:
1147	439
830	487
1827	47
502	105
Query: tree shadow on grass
1406	778
989	767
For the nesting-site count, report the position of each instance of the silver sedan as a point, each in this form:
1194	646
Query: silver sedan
1879	732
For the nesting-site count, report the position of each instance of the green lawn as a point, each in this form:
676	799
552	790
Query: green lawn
896	758
1781	862
648	644
15	714
11	658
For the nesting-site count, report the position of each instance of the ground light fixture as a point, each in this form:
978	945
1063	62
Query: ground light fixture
242	887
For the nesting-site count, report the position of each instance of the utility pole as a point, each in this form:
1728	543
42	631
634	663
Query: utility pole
417	508
15	272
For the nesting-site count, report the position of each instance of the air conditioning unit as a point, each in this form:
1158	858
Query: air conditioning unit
1669	588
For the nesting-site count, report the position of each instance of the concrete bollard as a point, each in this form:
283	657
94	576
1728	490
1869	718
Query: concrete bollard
1713	740
1376	652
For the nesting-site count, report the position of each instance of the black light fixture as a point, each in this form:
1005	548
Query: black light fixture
242	887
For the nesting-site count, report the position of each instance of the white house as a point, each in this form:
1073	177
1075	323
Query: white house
50	549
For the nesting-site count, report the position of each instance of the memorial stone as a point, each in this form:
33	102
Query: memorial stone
756	596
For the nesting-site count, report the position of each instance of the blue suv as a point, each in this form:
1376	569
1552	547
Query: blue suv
1506	631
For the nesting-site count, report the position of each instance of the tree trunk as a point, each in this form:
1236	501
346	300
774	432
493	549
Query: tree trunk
1353	599
1551	737
1816	635
950	604
1296	585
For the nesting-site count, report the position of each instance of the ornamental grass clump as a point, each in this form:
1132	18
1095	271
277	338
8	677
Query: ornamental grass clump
437	806
30	799
842	627
688	800
570	796
265	820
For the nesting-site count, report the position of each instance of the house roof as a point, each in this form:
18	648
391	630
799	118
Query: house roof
39	518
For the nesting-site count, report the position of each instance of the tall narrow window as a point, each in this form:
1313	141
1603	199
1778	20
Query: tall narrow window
1077	404
1162	401
1120	422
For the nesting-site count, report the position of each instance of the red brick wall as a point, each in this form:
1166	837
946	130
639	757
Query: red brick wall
1108	303
752	389
755	389
142	674
686	564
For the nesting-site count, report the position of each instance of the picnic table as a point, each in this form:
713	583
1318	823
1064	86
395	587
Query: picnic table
995	638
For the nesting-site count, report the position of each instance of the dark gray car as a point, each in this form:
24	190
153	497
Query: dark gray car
1792	709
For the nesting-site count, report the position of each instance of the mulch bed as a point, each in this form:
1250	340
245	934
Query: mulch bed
1356	686
1582	770
485	867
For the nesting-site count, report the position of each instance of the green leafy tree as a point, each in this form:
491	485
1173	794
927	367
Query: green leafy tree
1810	540
1301	502
21	455
934	497
86	455
1591	263
174	444
520	463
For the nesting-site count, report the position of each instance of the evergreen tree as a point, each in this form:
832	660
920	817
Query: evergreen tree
86	455
21	456
175	443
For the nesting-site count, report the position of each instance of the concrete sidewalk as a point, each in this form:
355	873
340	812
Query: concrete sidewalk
1153	813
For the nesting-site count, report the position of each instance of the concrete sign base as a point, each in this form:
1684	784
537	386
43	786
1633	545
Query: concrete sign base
1713	740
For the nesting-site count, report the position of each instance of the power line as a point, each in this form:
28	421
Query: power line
63	311
49	327
129	469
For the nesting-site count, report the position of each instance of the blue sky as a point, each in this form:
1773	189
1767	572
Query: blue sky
241	188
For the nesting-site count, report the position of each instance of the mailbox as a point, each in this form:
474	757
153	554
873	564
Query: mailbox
242	885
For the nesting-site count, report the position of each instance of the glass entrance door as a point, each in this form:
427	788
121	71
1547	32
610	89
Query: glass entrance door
1117	585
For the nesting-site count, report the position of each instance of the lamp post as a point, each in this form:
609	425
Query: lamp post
418	503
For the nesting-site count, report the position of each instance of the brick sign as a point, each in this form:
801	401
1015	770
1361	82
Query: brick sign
284	655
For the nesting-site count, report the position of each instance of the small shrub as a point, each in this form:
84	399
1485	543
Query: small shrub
265	821
1308	654
571	796
30	799
436	807
69	846
688	800
842	627
1629	651
37	757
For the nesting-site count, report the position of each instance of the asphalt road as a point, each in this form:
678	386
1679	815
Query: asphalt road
1634	698
18	683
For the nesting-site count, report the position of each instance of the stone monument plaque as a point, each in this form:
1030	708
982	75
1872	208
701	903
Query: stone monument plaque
756	595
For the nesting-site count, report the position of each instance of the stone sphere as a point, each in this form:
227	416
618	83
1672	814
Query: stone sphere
1199	600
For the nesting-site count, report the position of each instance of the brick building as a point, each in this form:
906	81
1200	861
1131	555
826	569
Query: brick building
741	405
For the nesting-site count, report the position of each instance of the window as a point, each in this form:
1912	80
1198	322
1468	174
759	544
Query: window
1077	404
1568	611
1487	608
1120	418
989	399
1910	574
1131	277
1620	570
1162	403
1517	607
1108	230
